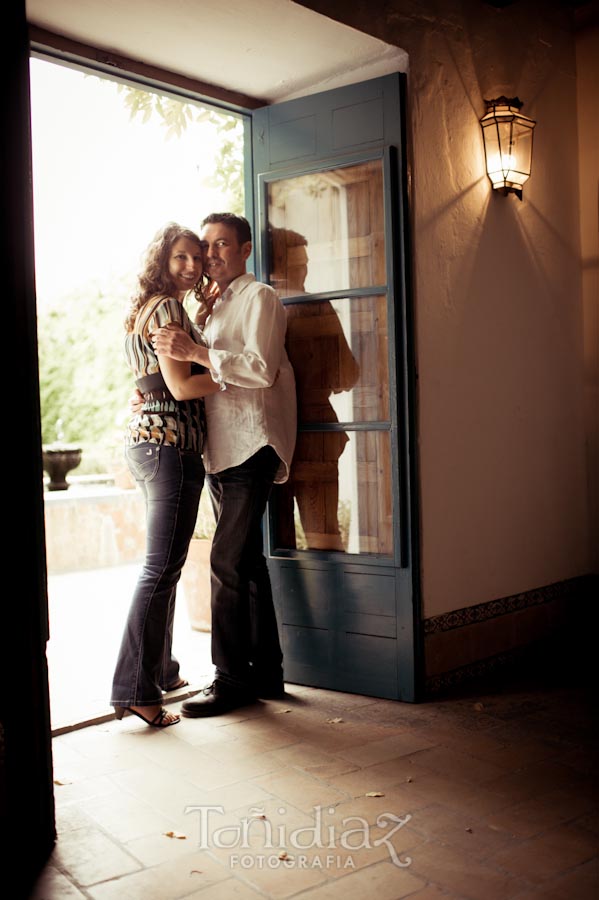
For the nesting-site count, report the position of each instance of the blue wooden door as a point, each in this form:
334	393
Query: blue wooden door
328	186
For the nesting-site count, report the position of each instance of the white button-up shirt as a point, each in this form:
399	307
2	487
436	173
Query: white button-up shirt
245	334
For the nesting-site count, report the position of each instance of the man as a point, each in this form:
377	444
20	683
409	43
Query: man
251	437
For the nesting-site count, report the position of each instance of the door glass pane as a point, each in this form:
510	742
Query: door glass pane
338	350
338	496
327	230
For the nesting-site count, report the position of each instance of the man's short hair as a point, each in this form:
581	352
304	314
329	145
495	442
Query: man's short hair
239	223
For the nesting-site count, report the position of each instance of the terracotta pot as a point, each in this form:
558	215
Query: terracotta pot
195	582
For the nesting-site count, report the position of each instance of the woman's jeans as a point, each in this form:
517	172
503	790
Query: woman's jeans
245	637
172	481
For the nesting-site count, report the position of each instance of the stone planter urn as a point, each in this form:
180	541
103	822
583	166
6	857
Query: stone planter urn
58	460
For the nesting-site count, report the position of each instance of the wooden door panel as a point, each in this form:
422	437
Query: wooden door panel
328	181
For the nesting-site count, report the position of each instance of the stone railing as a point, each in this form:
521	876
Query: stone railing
93	525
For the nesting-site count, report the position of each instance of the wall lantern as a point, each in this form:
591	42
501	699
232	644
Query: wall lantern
508	144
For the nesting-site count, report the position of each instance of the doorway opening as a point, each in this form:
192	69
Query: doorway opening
113	161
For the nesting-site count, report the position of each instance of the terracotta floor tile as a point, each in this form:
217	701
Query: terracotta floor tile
299	789
165	881
231	889
452	869
394	802
275	877
311	758
344	861
506	755
211	775
537	815
590	821
174	754
53	885
535	780
160	847
392	772
236	749
89	856
491	803
473	837
549	855
582	759
375	751
352	701
433	892
200	732
261	862
258	830
526	732
237	796
81	788
70	817
582	883
249	740
425	790
459	765
162	790
402	715
382	880
125	817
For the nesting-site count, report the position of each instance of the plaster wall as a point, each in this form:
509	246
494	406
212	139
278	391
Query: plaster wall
587	70
498	299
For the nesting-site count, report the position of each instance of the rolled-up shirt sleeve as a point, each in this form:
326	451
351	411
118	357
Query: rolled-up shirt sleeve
255	363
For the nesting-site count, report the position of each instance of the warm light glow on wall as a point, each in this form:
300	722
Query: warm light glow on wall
507	135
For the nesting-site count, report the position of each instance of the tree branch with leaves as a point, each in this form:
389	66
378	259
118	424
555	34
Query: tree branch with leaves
176	115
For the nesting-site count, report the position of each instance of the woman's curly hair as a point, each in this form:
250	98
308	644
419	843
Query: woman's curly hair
155	279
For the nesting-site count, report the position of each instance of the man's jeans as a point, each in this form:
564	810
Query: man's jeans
245	638
172	482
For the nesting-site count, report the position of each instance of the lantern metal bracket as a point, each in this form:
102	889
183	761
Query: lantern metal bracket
504	101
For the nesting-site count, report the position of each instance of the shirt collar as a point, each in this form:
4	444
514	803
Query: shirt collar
238	284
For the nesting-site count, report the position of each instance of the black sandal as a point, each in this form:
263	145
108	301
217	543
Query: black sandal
156	722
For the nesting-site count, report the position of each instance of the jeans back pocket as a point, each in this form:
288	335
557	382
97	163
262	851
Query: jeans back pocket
143	461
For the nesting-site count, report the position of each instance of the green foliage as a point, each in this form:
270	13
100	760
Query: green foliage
228	174
176	115
84	381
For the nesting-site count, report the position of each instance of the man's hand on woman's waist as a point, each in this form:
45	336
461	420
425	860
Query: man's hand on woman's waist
172	341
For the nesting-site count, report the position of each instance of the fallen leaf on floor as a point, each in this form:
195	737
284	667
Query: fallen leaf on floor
175	834
334	721
374	794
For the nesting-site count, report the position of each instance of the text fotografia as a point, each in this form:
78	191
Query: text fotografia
289	846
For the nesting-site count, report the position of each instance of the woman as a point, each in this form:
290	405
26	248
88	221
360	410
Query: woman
164	454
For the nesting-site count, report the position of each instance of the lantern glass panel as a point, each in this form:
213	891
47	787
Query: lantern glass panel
508	146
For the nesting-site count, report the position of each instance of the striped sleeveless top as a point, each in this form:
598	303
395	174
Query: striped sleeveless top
162	419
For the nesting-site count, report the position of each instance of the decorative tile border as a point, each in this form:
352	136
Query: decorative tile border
561	593
471	615
482	668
